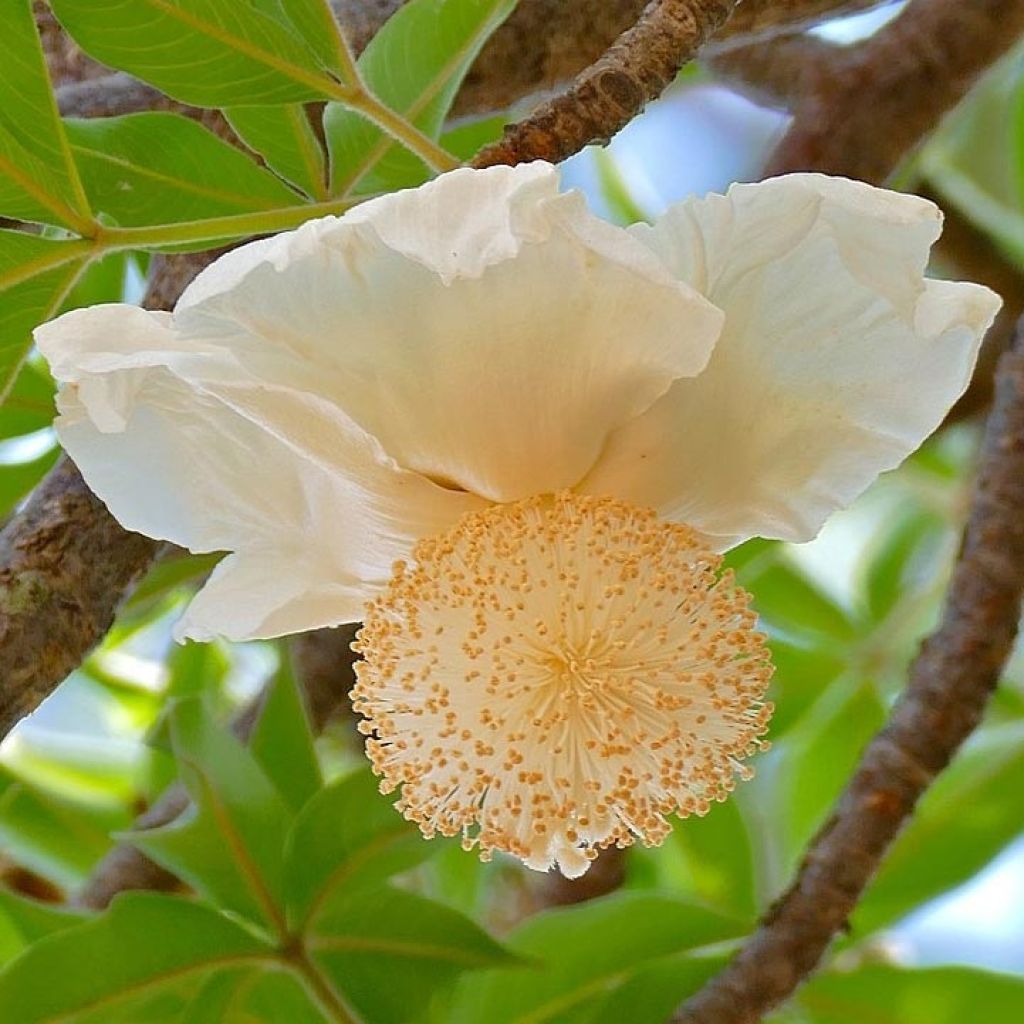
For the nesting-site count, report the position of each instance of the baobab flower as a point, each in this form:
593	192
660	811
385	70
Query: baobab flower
513	439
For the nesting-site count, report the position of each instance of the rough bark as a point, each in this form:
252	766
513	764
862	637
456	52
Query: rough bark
637	68
65	566
882	97
950	683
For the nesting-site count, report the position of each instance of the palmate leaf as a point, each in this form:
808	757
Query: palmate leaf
160	168
251	995
415	64
229	844
36	276
347	839
210	53
282	741
579	959
141	961
38	180
57	838
387	950
283	136
24	921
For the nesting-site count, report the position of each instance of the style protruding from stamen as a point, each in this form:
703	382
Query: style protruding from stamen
560	674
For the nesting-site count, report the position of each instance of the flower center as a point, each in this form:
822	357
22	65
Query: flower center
559	674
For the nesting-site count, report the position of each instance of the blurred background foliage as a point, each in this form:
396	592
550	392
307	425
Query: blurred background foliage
418	931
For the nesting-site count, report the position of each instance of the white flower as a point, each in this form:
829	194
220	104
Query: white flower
451	412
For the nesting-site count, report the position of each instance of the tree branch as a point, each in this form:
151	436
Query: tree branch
950	682
611	92
883	96
66	564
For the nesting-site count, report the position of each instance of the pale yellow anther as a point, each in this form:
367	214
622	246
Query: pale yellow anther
625	682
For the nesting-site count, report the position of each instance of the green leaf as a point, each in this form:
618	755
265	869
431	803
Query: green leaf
138	962
283	136
719	859
29	404
56	838
250	996
812	764
902	559
803	673
211	53
585	954
386	950
18	478
466	140
166	576
282	741
314	21
24	921
964	820
415	64
652	994
162	168
792	605
36	275
229	843
38	181
890	995
347	838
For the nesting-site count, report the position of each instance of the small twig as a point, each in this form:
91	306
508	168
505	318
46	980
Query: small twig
612	91
951	680
323	664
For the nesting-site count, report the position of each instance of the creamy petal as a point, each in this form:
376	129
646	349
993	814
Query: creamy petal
173	460
489	331
836	361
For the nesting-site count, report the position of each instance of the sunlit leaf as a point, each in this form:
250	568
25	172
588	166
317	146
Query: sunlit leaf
211	53
891	995
347	838
578	958
387	950
138	962
38	181
415	64
282	741
283	136
159	168
229	844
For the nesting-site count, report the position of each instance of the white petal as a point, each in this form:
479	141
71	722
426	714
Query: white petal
489	331
173	460
836	361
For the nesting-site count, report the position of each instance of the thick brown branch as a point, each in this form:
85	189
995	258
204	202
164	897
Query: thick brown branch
323	663
604	98
885	95
950	683
779	73
66	564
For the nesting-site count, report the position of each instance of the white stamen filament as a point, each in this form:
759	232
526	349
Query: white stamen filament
559	674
